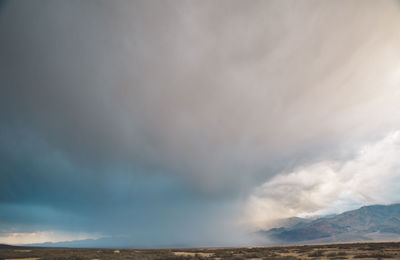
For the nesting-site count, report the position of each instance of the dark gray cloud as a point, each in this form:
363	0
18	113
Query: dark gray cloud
118	115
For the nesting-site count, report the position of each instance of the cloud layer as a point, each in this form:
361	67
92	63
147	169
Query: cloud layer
170	112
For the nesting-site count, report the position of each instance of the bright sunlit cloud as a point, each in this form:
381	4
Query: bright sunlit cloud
43	236
372	176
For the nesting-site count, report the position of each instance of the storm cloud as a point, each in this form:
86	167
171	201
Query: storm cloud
157	120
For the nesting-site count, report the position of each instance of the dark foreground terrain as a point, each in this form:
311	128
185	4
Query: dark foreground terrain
332	251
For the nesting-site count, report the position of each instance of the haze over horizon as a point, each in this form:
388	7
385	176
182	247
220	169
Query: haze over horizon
193	123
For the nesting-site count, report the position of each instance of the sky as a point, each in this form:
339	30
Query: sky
193	123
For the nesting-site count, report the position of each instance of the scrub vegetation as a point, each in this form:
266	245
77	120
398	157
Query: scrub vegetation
328	251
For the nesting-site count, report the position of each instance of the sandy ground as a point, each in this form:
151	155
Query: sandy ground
193	254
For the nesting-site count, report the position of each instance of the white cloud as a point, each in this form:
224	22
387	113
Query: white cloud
20	238
372	176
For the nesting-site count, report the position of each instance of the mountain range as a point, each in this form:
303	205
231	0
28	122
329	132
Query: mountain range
368	223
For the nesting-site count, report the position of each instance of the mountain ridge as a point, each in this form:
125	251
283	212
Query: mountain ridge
361	224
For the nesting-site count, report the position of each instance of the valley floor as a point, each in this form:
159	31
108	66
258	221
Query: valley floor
328	251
